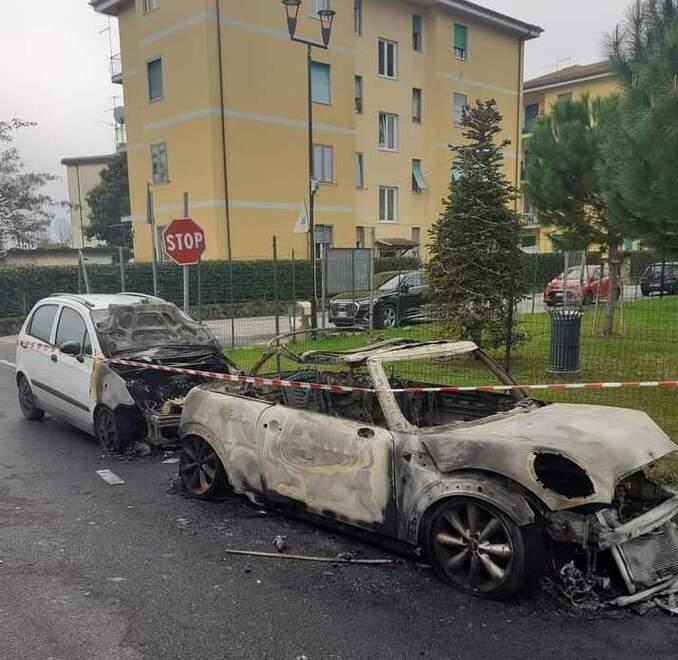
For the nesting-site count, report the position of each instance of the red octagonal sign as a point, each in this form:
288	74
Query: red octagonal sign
184	241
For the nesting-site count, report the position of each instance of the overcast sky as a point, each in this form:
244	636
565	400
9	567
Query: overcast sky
54	62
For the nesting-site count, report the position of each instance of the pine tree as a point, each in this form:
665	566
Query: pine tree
473	273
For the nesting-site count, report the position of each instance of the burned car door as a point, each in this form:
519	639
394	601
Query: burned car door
334	467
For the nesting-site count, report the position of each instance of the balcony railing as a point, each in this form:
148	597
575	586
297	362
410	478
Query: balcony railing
529	219
116	68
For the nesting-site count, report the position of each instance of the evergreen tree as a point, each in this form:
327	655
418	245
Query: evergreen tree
473	273
641	153
109	202
566	180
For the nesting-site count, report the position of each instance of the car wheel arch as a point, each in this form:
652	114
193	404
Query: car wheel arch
518	504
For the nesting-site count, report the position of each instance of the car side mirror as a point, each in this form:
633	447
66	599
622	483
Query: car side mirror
71	348
404	287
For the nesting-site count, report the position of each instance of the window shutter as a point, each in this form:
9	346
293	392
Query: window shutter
460	36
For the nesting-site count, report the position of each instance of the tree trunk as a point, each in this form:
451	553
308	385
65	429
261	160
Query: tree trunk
615	264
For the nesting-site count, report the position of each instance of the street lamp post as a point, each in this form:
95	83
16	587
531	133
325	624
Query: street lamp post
326	17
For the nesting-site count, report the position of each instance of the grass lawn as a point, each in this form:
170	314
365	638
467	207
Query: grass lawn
643	347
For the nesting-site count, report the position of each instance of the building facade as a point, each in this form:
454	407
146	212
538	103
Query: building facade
595	80
82	174
216	106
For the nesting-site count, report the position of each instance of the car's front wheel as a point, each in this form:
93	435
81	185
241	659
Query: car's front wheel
27	401
386	316
202	473
477	549
110	430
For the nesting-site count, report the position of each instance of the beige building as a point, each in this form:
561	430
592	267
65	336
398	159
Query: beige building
216	106
595	80
82	175
56	256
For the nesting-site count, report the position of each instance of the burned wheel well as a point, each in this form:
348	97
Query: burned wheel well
562	475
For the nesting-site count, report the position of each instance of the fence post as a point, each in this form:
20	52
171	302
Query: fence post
275	298
81	258
323	293
534	281
121	251
294	295
371	313
199	291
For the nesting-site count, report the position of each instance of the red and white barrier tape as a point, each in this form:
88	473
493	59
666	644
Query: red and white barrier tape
280	383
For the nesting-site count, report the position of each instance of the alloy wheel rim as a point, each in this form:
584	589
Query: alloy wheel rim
199	467
389	317
473	547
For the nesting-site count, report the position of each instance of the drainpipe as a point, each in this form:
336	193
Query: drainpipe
224	157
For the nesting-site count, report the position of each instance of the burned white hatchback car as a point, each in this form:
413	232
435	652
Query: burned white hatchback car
66	364
494	486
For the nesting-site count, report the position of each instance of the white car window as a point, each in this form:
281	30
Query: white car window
42	321
72	328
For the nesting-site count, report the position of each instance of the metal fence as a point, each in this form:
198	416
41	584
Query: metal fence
248	302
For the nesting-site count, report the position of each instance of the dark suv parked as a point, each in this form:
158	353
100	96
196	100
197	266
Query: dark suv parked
651	279
398	301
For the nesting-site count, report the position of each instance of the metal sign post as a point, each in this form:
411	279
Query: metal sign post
187	296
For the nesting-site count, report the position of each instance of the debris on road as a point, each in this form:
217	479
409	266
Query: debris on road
280	543
110	477
171	460
328	560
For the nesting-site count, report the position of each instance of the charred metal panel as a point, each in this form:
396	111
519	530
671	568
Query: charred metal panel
229	423
332	466
603	440
108	387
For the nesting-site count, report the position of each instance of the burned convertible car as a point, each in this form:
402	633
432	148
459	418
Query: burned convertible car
493	486
63	366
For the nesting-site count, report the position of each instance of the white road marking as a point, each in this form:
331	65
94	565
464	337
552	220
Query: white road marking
110	477
6	363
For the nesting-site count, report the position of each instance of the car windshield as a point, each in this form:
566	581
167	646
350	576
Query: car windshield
129	328
393	283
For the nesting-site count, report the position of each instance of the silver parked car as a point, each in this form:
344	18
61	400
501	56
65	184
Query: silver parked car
488	483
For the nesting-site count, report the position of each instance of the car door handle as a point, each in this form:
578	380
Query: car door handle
53	357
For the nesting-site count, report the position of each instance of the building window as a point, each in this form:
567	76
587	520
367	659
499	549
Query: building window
388	204
388	131
154	73
531	116
528	243
358	94
416	105
360	237
416	238
417	35
359	171
388	58
459	102
418	181
320	83
323	170
317	5
150	5
358	17
324	238
159	163
460	42
564	98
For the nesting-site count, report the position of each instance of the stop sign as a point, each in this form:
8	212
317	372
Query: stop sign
184	241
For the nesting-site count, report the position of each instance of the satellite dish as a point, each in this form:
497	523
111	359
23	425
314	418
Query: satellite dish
119	114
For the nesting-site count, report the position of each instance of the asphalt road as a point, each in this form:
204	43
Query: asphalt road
91	571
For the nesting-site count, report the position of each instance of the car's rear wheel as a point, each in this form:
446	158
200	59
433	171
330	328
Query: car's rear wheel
202	473
27	401
477	549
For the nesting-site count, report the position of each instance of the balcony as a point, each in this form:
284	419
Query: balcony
116	69
529	219
109	7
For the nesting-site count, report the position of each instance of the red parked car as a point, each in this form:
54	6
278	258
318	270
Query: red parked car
583	283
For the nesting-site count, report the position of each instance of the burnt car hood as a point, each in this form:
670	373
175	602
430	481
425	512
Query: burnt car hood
607	443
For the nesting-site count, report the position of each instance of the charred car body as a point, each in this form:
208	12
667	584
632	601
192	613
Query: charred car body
66	365
493	486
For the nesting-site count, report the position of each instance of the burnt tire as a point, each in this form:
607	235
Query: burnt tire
202	474
27	401
111	430
477	549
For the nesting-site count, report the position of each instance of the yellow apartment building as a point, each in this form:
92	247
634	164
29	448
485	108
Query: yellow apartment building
596	80
216	106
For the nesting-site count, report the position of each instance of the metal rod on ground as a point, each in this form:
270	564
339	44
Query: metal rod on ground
275	298
121	259
328	560
186	273
85	278
150	219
